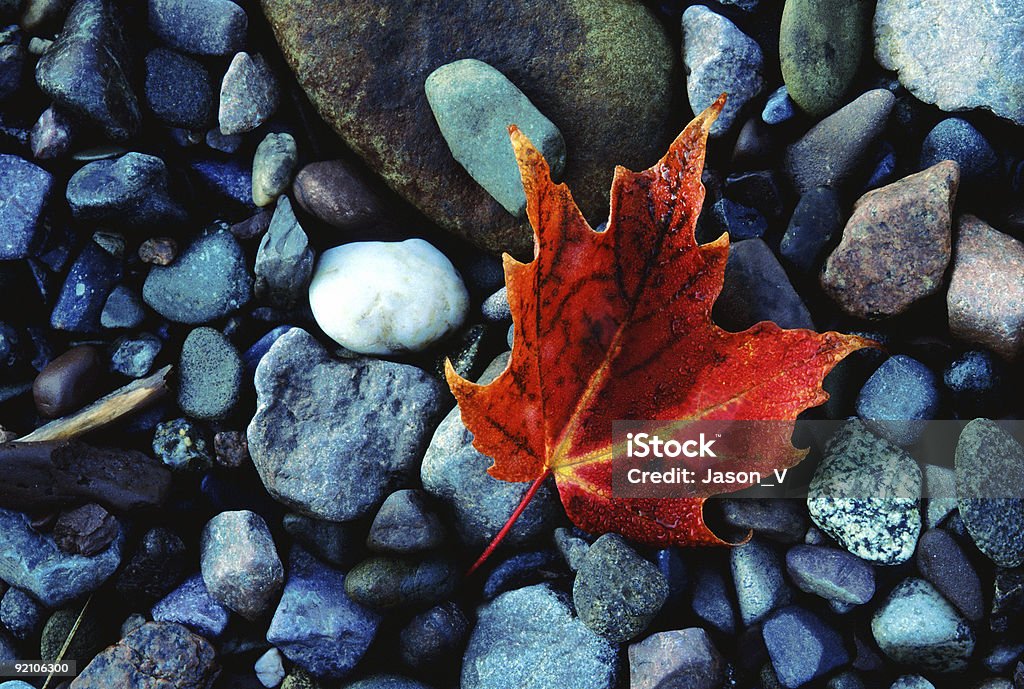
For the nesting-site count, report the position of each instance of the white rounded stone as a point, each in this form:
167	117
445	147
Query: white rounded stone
387	297
270	669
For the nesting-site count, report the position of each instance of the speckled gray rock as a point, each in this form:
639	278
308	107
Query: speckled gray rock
940	489
240	564
760	583
284	261
202	27
865	494
539	624
917	627
386	682
989	466
829	154
21	614
958	55
405	524
331	439
208	280
87	69
33	562
272	167
209	375
474	104
617	593
248	94
911	682
179	90
456	473
719	59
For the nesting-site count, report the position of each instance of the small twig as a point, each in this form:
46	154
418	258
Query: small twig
496	541
68	640
106	410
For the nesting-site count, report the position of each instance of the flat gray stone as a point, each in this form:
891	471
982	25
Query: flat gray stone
331	439
530	637
720	59
208	280
474	104
958	55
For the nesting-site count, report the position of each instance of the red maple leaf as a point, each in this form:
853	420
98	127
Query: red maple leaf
617	325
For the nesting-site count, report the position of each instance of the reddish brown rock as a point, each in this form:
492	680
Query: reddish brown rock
158	251
67	382
333	192
896	246
253	226
157	655
986	290
85	530
231	448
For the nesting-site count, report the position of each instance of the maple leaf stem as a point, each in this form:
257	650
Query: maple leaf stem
496	541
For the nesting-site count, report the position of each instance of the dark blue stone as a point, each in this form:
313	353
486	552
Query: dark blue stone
89	282
522	569
973	375
758	189
192	605
816	222
898	398
21	613
712	599
229	179
673	567
738	220
956	139
252	356
316	625
883	171
24	192
779	108
12	60
801	646
179	90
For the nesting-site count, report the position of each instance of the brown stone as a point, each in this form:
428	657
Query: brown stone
603	71
253	226
986	291
896	246
158	251
231	448
67	382
334	193
85	530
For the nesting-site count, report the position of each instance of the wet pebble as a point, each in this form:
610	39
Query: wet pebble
203	27
273	167
192	605
134	356
898	398
209	375
24	192
942	562
248	94
679	658
179	90
405	524
239	562
68	382
831	573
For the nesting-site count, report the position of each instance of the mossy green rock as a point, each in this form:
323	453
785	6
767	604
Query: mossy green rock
90	638
820	47
385	583
602	71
